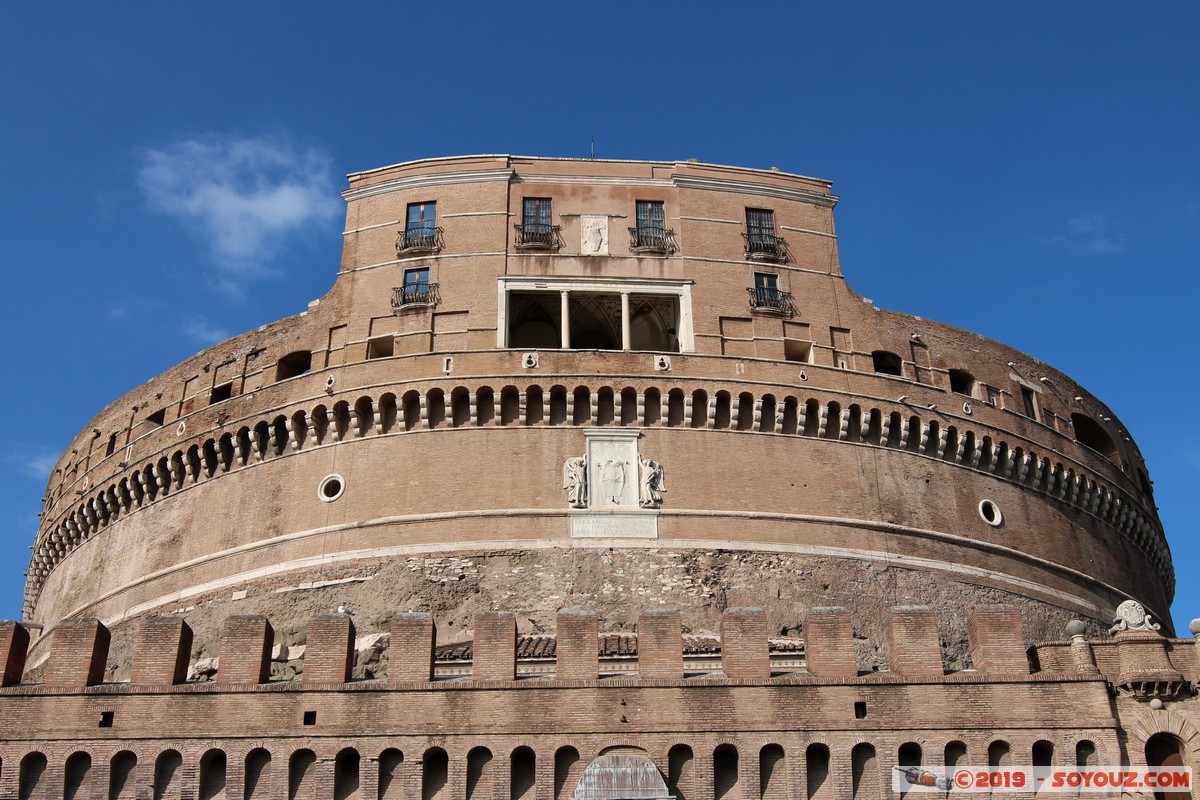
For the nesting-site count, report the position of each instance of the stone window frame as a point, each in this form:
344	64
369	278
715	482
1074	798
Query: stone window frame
681	290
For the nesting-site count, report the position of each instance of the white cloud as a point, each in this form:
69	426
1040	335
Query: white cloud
34	463
243	196
203	331
1093	233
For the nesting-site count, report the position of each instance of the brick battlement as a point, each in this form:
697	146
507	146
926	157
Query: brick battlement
1136	661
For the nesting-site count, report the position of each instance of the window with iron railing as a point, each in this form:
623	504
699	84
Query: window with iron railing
651	234
420	233
535	231
761	241
416	291
765	295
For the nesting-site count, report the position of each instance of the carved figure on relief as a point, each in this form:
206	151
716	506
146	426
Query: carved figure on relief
651	486
612	480
575	481
1132	616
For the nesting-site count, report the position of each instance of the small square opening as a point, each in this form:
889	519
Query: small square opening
381	347
795	350
219	393
310	718
860	709
157	418
106	719
293	364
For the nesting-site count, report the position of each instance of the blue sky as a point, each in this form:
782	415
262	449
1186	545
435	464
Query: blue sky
169	174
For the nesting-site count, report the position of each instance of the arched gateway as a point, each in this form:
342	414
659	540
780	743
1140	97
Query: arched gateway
621	776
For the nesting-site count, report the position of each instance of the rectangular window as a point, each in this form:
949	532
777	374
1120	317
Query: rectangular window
651	221
536	231
422	219
533	314
651	234
416	291
220	393
766	282
761	241
421	233
1028	402
416	285
760	225
650	216
766	294
536	212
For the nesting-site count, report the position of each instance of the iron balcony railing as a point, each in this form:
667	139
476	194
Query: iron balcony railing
419	240
537	236
763	299
651	240
765	246
415	294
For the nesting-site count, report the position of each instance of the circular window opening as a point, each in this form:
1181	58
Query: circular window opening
990	513
331	488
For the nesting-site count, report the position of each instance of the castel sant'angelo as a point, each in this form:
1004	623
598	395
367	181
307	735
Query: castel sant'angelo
591	480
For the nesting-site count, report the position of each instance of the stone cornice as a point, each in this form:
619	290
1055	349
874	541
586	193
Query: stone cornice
760	189
602	180
425	181
678	181
594	284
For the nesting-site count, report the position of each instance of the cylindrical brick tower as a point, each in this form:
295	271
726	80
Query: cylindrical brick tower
540	383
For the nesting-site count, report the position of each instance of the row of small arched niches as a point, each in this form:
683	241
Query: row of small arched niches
559	406
351	775
511	406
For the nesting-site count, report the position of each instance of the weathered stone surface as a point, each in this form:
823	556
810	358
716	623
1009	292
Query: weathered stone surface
536	584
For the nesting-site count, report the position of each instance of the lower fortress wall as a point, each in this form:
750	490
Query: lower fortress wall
745	715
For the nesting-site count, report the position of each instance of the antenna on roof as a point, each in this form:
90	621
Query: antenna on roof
593	147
